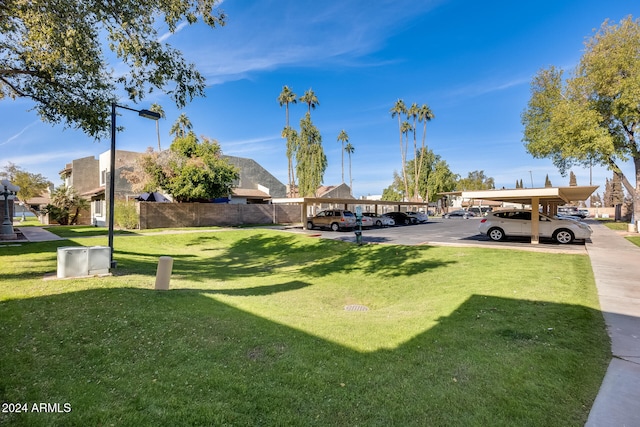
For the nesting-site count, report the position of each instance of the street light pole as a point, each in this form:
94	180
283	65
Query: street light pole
112	167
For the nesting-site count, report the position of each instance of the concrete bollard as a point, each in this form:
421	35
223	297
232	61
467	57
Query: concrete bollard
163	275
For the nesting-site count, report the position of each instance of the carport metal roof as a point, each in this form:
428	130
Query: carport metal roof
304	202
552	196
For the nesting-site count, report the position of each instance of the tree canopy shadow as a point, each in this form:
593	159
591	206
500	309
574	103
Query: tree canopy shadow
261	254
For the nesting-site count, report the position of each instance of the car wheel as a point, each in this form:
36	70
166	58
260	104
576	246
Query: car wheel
446	216
335	227
496	234
378	223
309	225
563	236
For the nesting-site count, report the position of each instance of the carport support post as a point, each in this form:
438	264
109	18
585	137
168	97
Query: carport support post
303	214
535	220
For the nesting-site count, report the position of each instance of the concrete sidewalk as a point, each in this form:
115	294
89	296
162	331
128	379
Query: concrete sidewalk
616	267
38	234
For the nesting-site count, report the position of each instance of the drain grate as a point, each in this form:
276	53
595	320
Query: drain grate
356	307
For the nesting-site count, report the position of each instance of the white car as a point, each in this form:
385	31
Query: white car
419	217
379	220
367	221
501	224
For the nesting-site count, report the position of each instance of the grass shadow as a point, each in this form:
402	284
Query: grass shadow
262	253
139	357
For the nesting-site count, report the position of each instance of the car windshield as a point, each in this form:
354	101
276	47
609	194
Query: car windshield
347	213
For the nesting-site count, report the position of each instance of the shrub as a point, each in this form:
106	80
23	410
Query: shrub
126	214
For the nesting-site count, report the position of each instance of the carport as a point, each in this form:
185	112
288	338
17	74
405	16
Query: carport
346	204
549	197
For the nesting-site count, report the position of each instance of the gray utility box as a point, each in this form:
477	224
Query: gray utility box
78	261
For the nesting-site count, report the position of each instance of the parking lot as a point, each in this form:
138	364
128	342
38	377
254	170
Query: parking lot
441	232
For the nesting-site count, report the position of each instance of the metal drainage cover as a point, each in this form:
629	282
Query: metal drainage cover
356	307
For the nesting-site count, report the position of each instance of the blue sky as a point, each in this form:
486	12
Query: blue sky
470	61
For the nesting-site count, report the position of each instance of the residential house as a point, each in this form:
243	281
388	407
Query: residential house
90	177
256	184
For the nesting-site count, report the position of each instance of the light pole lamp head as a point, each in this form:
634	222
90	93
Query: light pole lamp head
148	114
8	186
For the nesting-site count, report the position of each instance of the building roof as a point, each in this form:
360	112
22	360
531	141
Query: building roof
93	192
250	193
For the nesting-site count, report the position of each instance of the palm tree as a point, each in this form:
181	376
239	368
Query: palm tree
424	115
398	110
412	113
349	149
405	128
181	126
343	137
285	98
157	108
310	99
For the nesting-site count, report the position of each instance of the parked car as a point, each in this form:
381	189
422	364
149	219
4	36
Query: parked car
517	222
379	220
335	219
572	211
420	217
480	210
367	221
460	213
400	218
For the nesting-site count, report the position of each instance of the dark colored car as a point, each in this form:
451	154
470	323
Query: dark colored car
400	218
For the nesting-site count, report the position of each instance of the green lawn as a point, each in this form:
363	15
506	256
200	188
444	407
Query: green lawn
254	332
623	226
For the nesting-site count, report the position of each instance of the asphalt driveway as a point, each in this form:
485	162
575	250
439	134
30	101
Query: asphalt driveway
440	231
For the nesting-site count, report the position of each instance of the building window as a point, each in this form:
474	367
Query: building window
103	177
97	208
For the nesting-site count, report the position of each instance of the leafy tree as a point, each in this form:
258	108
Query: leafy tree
608	194
66	205
476	180
617	192
593	116
394	192
310	158
286	97
350	150
435	176
191	171
52	53
573	181
31	184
